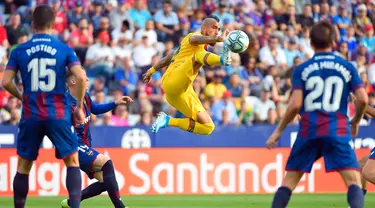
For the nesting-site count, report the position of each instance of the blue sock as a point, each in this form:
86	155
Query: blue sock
355	197
73	184
282	197
91	191
364	191
110	183
20	189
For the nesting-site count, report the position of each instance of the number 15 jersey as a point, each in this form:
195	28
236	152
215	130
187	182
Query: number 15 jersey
42	62
326	81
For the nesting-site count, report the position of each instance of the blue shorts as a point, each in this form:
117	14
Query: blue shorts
337	153
31	134
87	156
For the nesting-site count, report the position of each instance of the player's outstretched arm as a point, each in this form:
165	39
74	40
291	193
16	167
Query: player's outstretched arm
161	64
9	85
98	109
201	39
369	109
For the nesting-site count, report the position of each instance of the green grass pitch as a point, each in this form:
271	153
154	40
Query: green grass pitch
202	201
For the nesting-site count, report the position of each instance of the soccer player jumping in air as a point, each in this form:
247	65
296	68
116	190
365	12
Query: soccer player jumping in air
42	62
94	164
321	88
177	81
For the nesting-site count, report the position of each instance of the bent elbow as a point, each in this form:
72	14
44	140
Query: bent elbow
6	82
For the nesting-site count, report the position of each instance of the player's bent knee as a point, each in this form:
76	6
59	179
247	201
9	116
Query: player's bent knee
208	128
100	161
99	176
72	160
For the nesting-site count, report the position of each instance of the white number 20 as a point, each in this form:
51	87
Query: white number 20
332	86
39	70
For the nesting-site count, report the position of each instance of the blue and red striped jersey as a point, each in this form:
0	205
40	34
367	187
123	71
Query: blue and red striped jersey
326	81
82	130
43	62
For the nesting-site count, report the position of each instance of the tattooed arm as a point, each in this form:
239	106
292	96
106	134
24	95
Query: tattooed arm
164	62
201	39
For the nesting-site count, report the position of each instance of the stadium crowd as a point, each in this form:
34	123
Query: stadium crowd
118	40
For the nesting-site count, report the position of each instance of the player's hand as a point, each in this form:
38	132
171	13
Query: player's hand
223	36
78	116
354	127
147	77
124	100
273	139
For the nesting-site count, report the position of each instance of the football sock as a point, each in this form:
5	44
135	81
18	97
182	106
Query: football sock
91	191
73	184
110	183
355	197
20	189
206	58
190	125
282	197
364	191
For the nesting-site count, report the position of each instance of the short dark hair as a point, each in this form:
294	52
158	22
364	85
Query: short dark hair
322	35
168	2
43	17
214	17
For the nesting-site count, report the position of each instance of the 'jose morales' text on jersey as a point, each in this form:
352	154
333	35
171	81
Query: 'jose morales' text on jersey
42	63
326	81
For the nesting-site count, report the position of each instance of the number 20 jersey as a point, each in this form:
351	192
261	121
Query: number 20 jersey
42	62
326	81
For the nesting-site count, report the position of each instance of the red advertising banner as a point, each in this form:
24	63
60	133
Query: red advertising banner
179	171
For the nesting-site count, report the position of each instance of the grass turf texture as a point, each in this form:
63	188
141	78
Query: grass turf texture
198	201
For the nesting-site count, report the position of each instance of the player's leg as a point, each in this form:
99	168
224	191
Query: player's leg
211	59
29	138
339	156
107	173
198	121
302	156
61	134
362	163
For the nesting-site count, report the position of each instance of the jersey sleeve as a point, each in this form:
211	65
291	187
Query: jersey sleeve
297	82
72	58
355	81
12	63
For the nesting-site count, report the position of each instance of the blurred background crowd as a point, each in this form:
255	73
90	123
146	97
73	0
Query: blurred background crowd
118	40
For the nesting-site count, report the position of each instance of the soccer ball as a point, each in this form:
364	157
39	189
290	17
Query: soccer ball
237	41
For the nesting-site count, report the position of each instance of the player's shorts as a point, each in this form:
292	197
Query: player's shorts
31	134
372	154
87	156
337	153
178	89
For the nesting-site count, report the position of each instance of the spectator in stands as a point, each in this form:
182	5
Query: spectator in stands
104	26
304	42
237	89
122	50
305	19
167	23
361	20
316	12
214	90
118	15
151	33
289	18
369	88
350	39
126	77
99	85
224	111
291	52
97	13
14	117
106	120
123	31
208	7
14	28
81	38
196	22
223	13
360	63
342	21
369	40
273	54
100	57
343	51
265	109
143	53
361	50
139	15
61	20
120	117
76	14
252	76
